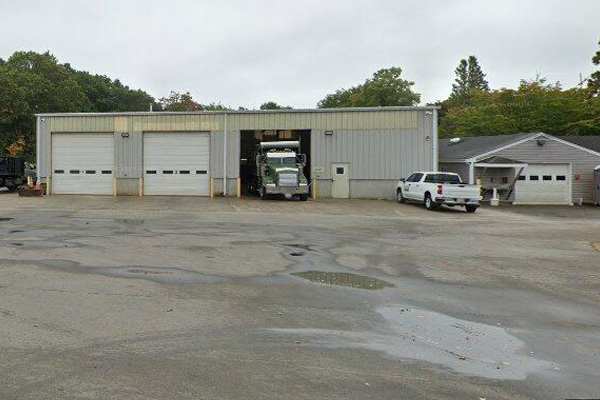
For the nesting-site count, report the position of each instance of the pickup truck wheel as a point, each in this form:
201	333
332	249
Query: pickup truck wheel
471	209
429	204
400	197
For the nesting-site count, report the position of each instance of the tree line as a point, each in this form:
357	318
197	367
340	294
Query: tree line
33	83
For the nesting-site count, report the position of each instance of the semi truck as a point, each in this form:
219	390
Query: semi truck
279	171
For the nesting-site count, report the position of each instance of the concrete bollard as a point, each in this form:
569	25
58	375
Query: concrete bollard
495	201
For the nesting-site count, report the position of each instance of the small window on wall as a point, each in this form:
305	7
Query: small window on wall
201	172
522	177
561	178
184	172
106	172
167	172
74	171
90	171
151	172
534	177
547	177
339	170
59	171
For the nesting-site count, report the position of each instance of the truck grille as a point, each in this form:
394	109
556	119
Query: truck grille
288	180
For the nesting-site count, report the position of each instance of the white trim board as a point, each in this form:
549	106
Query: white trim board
533	137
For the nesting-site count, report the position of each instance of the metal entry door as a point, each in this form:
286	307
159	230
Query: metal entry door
340	180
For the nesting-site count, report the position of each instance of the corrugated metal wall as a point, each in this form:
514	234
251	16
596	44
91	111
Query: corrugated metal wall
379	143
128	155
372	154
233	154
319	120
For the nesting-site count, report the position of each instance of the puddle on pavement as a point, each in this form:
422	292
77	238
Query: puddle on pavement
466	347
3	219
344	279
155	274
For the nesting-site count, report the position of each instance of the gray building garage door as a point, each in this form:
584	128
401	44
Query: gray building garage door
544	184
82	163
177	163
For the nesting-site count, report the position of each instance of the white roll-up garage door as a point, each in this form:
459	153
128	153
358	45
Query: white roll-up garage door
177	163
82	163
544	184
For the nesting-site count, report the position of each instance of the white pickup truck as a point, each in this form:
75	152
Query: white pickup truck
437	188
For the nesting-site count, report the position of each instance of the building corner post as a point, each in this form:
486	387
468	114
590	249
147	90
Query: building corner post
225	154
471	163
38	128
435	140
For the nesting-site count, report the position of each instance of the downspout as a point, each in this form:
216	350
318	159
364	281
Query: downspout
38	128
435	140
225	155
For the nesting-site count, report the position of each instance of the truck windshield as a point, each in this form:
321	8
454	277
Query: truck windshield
442	178
281	160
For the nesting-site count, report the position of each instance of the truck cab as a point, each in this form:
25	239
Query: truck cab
279	170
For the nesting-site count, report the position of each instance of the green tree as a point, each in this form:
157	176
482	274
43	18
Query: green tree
469	78
176	101
535	106
184	102
33	83
385	88
271	105
594	79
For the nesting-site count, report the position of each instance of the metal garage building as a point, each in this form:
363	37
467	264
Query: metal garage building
357	153
526	168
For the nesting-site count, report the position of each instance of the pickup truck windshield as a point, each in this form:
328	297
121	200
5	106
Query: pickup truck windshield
281	160
442	178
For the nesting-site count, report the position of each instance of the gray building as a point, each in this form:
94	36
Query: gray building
356	153
526	168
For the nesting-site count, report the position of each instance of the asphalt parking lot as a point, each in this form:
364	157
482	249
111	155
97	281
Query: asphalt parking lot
160	298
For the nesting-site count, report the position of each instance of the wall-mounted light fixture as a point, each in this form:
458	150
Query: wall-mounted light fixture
125	134
427	138
328	133
541	142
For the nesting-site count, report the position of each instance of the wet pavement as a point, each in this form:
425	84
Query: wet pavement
190	298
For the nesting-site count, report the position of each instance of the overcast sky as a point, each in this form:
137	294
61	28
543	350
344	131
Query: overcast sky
244	52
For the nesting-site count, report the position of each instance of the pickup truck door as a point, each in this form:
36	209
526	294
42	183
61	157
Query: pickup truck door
412	186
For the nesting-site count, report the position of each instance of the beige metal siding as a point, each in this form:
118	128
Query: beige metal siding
128	155
233	154
379	143
582	163
372	154
319	120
